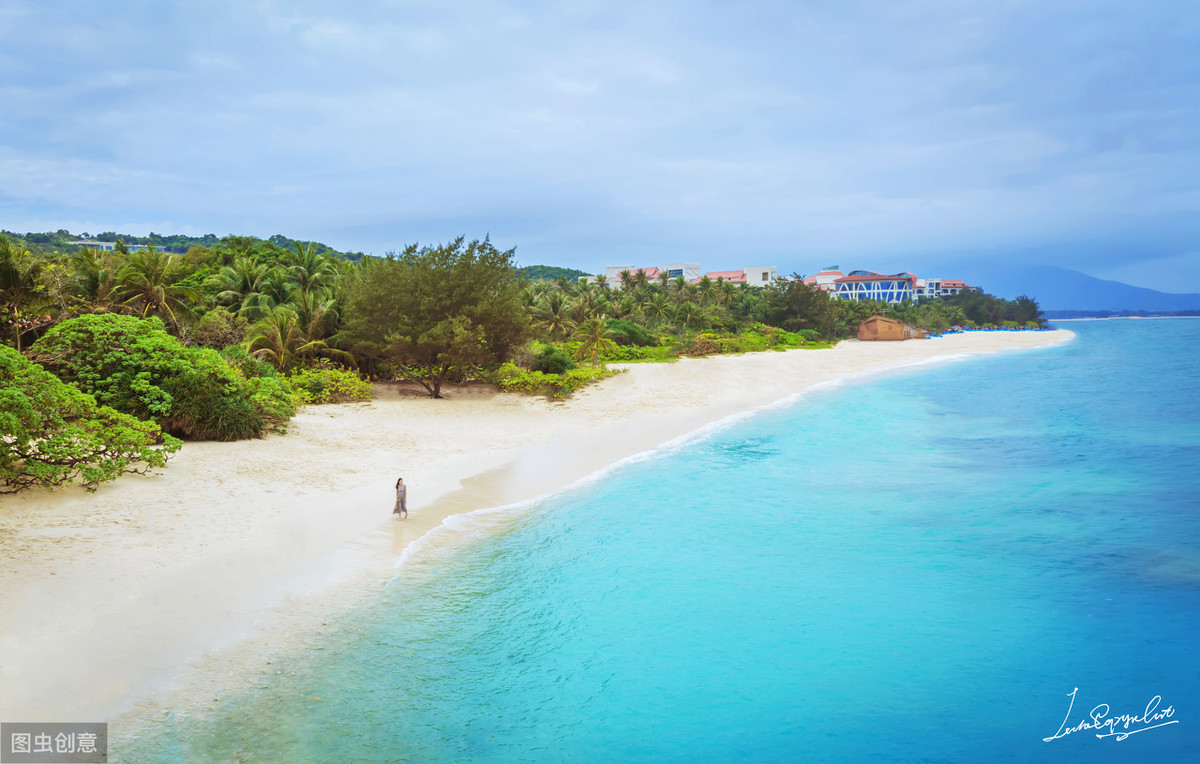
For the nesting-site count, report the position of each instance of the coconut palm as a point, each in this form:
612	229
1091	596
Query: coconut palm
657	308
622	308
690	314
278	285
552	316
726	293
241	288
594	338
19	271
283	340
96	276
317	313
310	269
146	283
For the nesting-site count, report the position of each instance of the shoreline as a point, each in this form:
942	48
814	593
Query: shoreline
171	591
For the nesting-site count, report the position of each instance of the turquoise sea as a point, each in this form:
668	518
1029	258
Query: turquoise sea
915	568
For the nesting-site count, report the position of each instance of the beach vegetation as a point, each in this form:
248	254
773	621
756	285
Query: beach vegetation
51	433
285	338
136	367
512	378
550	359
432	309
325	382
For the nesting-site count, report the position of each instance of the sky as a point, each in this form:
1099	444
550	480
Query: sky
904	135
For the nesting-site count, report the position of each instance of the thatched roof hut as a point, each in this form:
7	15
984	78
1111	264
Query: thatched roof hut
882	328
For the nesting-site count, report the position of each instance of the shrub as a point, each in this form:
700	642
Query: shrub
134	366
53	433
274	401
512	378
552	360
628	333
218	328
702	345
326	383
753	342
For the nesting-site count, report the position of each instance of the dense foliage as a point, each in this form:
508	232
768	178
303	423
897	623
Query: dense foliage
51	433
136	367
435	308
433	315
326	383
549	273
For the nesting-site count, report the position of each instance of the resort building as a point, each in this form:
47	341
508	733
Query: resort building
825	279
941	287
106	246
869	285
690	271
758	275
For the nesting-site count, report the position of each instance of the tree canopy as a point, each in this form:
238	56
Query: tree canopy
51	433
135	366
436	308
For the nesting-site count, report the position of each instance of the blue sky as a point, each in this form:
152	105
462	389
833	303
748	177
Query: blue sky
887	135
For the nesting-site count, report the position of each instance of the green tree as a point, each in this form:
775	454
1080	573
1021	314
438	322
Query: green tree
434	308
797	305
136	367
310	269
19	271
595	337
51	433
241	288
147	283
551	316
283	339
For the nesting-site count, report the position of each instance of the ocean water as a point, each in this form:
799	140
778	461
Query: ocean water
917	568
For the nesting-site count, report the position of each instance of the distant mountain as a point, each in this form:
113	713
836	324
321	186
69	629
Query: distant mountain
1060	289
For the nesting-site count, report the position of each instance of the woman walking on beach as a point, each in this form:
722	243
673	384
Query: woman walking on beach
401	499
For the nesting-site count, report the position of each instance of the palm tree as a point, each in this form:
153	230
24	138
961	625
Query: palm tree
96	276
316	313
552	316
19	272
310	269
679	288
241	288
622	308
726	292
658	308
594	338
145	282
706	289
283	340
689	313
278	285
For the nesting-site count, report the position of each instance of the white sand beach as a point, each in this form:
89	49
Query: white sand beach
109	601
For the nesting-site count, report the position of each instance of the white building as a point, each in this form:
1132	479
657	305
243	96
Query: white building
690	271
824	280
940	287
106	246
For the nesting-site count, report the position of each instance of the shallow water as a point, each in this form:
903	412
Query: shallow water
915	568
